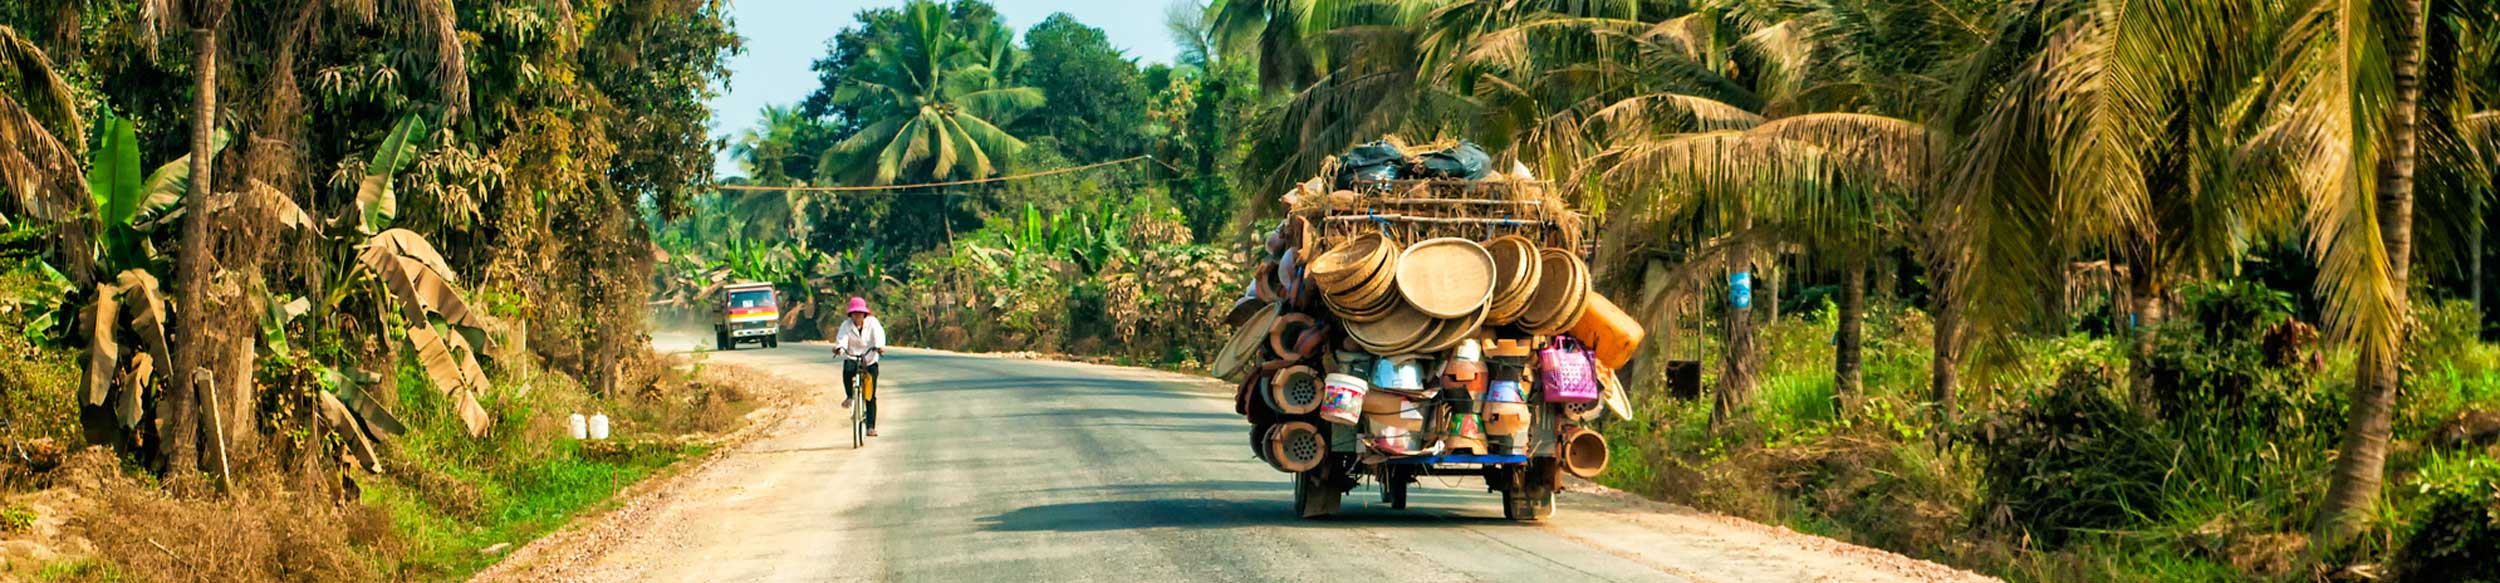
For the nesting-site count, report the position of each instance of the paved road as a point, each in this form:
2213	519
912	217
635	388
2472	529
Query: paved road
994	469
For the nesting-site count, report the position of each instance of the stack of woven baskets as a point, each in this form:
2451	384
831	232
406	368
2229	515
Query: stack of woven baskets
1415	317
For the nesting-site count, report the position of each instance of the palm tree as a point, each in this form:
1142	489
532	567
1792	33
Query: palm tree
38	169
2355	93
938	95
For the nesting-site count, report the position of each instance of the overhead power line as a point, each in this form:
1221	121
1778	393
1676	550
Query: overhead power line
752	187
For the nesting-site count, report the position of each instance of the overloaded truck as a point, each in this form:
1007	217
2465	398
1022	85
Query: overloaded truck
749	312
1421	315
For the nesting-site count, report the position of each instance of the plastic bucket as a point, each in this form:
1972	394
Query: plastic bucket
1400	374
1344	402
1504	392
1584	453
1608	331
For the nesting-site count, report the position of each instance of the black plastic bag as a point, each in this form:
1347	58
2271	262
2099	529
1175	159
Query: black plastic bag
1378	160
1463	161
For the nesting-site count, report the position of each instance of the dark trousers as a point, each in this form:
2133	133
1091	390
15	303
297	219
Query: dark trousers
851	373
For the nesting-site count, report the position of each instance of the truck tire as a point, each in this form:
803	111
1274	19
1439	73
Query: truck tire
721	341
1393	483
1530	495
1314	496
772	341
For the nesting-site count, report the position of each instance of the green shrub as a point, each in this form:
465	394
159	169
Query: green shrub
17	519
2456	534
2074	459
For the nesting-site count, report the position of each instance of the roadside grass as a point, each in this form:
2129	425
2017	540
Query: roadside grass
451	497
2221	489
83	570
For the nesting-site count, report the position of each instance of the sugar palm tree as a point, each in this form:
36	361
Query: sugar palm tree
938	96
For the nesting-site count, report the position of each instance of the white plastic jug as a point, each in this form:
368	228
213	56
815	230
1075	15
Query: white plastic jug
579	426
599	426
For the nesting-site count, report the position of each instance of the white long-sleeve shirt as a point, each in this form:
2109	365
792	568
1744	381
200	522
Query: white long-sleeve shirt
860	340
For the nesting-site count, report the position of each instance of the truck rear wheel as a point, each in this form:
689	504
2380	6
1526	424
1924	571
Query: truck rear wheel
1393	483
1530	493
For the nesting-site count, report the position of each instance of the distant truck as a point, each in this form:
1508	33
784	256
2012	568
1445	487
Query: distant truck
748	312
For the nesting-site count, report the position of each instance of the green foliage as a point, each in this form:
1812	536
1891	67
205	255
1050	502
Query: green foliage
450	494
2075	459
2456	535
17	519
377	203
1097	101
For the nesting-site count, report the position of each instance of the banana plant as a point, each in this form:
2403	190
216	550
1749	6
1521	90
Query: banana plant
377	204
129	209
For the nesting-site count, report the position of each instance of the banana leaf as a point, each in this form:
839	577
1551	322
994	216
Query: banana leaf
376	204
134	385
351	392
337	415
104	353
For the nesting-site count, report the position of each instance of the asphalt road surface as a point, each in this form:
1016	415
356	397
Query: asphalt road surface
1002	469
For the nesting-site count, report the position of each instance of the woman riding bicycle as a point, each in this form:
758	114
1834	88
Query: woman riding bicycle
859	342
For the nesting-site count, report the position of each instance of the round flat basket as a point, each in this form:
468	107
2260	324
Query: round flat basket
1399	328
1295	390
1243	350
1455	330
1296	446
1559	285
1350	264
1446	277
1383	284
1515	271
1570	315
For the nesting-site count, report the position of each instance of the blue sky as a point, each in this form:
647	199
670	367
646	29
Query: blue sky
784	36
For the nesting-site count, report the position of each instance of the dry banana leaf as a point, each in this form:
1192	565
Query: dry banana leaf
104	354
134	384
417	277
282	209
448	359
472	414
146	306
337	415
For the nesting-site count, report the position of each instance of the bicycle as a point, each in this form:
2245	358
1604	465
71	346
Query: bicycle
859	402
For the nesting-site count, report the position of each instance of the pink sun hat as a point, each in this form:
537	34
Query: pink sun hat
859	305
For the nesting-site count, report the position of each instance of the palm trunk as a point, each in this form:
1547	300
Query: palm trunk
1945	367
2362	461
1847	342
2145	290
1736	380
181	433
1771	291
2475	267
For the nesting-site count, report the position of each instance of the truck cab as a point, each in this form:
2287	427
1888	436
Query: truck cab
749	312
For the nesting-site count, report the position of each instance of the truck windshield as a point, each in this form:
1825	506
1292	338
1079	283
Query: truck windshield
751	299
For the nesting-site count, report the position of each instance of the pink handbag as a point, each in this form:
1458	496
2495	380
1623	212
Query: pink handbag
1566	372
